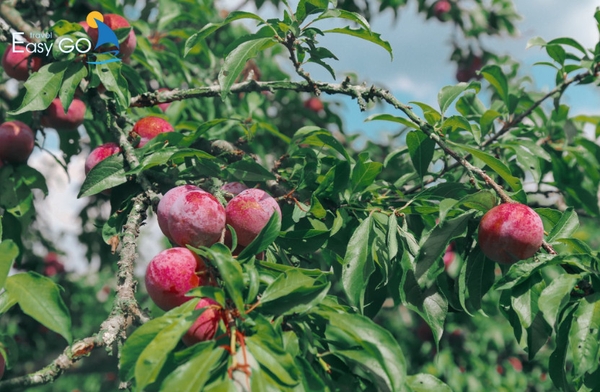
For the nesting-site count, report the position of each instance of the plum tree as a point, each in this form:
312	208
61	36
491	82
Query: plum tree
149	127
16	141
99	154
206	325
115	21
171	274
165	204
196	218
249	212
55	116
510	232
17	63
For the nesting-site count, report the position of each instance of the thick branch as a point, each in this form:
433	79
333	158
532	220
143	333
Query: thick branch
14	19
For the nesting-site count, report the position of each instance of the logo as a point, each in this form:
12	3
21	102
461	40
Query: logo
105	36
67	44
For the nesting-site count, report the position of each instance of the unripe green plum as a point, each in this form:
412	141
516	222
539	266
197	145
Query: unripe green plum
249	212
165	204
100	153
56	118
16	141
16	64
149	127
206	325
510	232
196	218
171	274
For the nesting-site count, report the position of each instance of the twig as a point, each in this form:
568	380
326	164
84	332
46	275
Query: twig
125	311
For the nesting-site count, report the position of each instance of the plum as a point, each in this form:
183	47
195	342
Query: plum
171	274
510	232
249	212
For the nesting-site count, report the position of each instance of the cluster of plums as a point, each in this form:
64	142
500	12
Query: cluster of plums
188	215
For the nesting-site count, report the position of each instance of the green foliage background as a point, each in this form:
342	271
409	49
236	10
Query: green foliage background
353	293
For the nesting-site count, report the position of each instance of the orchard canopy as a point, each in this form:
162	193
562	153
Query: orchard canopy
191	198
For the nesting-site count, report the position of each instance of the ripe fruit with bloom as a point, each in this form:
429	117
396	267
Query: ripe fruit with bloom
99	154
16	141
510	232
196	218
149	127
56	118
206	325
16	62
165	204
115	21
171	274
249	212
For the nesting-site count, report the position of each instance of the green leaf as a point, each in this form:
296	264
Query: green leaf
389	117
519	272
565	227
558	358
72	77
568	41
475	280
347	331
428	263
8	253
584	336
230	271
212	27
141	338
535	41
154	356
364	34
448	94
343	14
357	265
249	170
42	87
555	295
273	359
110	76
266	237
318	137
7	301
39	297
426	383
237	58
293	292
105	175
496	165
421	149
364	173
196	371
494	75
481	201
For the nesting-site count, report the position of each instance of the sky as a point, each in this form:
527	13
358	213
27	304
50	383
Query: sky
419	69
